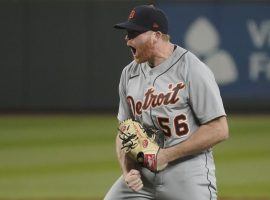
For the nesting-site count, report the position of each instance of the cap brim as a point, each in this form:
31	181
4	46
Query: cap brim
130	26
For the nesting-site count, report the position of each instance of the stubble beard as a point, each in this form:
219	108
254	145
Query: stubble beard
144	52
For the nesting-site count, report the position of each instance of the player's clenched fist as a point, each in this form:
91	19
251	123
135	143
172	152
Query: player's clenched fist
133	180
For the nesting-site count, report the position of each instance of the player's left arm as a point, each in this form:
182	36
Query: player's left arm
206	136
205	101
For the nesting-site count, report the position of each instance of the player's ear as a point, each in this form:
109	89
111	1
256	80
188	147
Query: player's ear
158	34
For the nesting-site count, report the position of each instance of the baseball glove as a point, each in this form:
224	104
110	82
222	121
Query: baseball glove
139	145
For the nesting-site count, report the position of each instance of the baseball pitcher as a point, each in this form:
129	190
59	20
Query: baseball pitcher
170	116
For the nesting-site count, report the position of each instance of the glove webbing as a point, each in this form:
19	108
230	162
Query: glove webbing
127	141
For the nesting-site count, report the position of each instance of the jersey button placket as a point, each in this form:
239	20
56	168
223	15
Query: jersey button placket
151	85
146	85
150	78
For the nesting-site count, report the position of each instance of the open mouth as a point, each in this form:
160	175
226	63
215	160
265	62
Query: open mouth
133	50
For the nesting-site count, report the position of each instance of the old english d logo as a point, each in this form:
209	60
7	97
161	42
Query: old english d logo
132	14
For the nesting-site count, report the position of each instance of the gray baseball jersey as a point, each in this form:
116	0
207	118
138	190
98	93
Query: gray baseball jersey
176	97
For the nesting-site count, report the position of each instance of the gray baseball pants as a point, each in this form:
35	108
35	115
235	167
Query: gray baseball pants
190	178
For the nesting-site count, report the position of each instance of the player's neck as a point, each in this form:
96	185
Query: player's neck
161	53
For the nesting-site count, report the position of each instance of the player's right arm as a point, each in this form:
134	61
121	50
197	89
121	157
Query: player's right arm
131	175
125	162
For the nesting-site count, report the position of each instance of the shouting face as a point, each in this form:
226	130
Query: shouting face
141	46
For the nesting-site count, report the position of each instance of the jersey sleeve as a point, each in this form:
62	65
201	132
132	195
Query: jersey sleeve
124	109
204	94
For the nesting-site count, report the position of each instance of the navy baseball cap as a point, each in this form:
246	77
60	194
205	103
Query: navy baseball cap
145	18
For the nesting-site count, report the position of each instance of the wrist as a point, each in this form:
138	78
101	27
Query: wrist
161	157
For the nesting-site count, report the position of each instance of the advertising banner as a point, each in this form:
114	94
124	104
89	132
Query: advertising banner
233	39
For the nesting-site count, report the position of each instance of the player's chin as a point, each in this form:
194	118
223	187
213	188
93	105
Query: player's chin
140	60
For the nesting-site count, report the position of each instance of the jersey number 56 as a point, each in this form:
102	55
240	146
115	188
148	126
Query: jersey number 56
179	123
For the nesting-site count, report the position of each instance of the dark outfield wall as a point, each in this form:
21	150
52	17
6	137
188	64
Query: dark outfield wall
61	54
66	55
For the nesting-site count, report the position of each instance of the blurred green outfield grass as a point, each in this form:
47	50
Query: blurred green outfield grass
73	156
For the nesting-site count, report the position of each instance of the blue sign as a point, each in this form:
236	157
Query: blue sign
233	39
